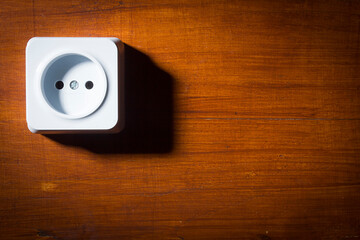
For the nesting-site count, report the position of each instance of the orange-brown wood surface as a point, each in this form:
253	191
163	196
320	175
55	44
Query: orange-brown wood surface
242	122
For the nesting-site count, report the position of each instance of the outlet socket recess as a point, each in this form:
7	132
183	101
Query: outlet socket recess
74	85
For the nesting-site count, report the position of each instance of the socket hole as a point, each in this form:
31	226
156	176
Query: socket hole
59	85
89	85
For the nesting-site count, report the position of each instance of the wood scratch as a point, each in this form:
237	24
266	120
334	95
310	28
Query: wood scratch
46	235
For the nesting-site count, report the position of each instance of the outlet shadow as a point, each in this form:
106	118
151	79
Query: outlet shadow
148	112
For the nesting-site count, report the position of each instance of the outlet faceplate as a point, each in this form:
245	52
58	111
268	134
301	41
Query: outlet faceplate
74	85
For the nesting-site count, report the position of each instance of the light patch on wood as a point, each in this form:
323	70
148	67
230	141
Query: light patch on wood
48	187
250	174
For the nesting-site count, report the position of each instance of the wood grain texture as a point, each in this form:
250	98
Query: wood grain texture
243	122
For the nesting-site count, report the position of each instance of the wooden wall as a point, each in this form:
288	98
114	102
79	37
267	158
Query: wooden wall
243	121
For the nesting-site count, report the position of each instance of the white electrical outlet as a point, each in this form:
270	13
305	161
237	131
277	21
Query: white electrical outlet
74	85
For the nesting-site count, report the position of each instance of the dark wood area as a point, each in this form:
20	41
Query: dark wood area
243	122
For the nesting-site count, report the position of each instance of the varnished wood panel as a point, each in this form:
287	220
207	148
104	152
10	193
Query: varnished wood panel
243	122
